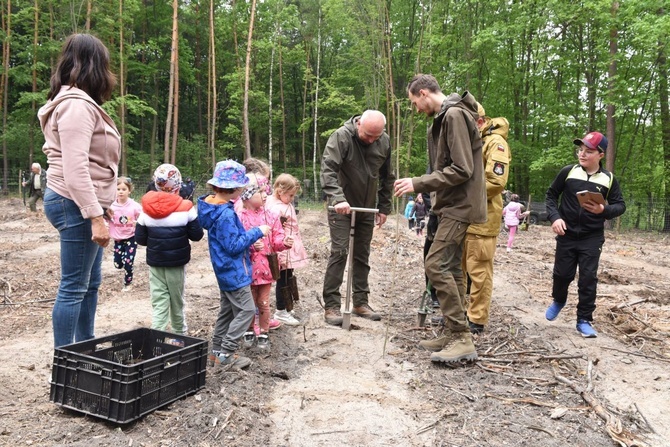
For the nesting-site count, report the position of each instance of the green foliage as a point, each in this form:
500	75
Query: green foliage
542	65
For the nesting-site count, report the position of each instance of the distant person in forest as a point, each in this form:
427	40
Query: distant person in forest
356	171
83	147
580	229
480	240
419	213
408	212
513	213
36	184
457	179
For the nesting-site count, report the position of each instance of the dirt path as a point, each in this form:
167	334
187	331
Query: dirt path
322	386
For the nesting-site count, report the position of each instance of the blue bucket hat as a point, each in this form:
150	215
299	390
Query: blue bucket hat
229	174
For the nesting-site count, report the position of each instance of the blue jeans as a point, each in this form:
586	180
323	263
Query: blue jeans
80	261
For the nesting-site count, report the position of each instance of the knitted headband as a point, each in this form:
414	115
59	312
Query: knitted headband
249	191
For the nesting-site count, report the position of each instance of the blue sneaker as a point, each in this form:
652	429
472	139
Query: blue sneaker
584	327
553	310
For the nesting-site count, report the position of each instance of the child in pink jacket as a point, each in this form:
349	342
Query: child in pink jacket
253	214
281	202
512	214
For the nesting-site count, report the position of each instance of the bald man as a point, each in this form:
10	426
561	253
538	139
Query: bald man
355	172
36	184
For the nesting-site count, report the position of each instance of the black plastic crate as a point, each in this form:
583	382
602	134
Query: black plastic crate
124	376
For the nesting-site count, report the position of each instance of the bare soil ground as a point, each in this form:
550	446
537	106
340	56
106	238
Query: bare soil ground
322	386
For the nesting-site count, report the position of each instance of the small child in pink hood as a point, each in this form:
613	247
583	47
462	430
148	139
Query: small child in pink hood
512	214
253	214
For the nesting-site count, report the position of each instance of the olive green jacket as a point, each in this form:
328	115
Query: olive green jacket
355	172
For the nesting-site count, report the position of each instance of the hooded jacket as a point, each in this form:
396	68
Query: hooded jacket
83	147
229	243
166	225
455	152
513	214
497	158
355	172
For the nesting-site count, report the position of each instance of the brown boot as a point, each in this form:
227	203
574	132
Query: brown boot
436	344
333	316
366	311
460	348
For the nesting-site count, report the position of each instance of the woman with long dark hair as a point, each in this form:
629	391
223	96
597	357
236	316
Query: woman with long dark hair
82	146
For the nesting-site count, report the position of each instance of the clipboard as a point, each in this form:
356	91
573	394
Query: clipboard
585	196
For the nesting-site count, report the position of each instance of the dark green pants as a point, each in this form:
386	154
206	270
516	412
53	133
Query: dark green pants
443	267
340	225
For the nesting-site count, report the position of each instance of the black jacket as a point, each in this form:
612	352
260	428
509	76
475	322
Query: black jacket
581	223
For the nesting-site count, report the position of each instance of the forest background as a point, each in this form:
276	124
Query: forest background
201	81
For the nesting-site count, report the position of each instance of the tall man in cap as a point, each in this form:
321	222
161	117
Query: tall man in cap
580	229
457	179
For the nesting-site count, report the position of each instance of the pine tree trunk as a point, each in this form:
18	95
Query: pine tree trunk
247	73
122	94
173	61
281	96
211	96
316	106
6	49
664	119
31	148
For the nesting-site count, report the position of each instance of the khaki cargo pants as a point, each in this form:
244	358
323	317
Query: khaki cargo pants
443	268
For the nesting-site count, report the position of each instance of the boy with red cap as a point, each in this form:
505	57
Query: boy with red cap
580	228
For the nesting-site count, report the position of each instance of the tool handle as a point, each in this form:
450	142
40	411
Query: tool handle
359	210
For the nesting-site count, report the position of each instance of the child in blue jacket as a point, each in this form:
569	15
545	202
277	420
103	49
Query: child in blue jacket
229	246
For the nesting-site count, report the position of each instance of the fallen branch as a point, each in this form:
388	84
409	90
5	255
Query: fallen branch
629	304
225	423
660	359
525	400
613	424
644	418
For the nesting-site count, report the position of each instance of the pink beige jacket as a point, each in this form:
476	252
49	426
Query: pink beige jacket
83	147
296	256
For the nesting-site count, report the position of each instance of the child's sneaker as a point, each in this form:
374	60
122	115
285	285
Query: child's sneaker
127	288
553	310
263	342
584	327
230	359
274	324
249	339
286	318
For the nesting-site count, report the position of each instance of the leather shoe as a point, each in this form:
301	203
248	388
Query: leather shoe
366	311
333	316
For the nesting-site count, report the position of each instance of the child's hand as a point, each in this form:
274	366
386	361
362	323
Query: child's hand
265	229
288	241
258	245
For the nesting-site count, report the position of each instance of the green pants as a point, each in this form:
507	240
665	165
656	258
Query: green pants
167	298
340	226
443	268
32	200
